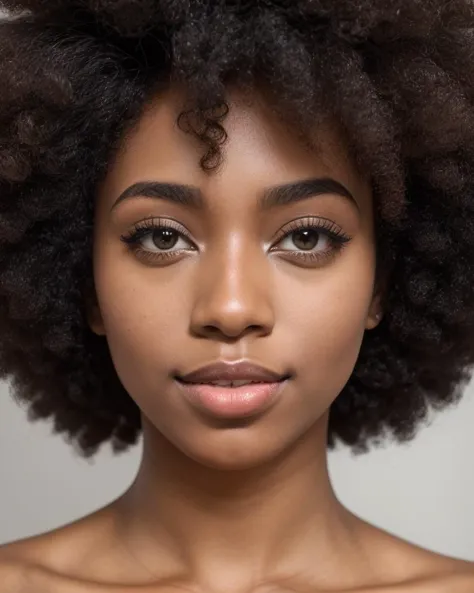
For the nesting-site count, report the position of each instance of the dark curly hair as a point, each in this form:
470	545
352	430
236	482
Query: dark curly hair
397	75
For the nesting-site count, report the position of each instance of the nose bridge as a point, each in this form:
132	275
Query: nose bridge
233	293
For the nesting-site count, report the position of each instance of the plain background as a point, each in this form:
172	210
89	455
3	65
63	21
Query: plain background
423	492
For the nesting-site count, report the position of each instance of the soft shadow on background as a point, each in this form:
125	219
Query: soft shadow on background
423	491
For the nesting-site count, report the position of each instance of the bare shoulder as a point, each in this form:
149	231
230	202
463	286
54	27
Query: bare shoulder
410	568
22	564
434	574
18	567
47	549
12	575
439	574
447	576
27	565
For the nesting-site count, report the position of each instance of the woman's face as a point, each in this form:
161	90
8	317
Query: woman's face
258	262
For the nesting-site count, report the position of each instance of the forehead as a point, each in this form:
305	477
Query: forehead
261	150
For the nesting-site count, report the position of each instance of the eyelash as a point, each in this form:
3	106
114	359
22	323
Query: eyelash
323	226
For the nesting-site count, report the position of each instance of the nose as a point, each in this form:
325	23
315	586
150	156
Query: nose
233	295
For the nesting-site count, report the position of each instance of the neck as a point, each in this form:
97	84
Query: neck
258	523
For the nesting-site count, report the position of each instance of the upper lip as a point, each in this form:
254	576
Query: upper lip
232	371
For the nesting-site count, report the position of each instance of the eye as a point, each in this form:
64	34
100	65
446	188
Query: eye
306	240
163	239
153	239
311	240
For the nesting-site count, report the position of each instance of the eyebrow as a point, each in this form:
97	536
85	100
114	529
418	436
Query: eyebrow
280	195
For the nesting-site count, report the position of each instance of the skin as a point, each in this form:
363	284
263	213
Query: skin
243	507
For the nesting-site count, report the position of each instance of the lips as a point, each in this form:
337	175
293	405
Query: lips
225	372
232	390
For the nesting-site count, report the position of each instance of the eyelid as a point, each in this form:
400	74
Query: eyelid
146	226
151	223
320	223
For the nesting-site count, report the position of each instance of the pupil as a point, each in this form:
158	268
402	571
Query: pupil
306	239
165	238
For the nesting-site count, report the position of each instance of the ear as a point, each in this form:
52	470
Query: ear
383	274
375	314
94	315
94	318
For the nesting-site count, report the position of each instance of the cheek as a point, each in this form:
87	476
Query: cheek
144	311
327	321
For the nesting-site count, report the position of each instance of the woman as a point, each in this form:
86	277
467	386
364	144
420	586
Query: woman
246	231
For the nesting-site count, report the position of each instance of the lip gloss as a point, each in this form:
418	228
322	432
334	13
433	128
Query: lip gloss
232	402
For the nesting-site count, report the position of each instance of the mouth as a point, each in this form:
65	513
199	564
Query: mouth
223	383
234	400
225	373
236	390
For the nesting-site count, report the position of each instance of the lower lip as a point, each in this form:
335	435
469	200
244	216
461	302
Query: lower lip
232	402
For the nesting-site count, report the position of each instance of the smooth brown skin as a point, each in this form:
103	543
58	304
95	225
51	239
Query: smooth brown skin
214	508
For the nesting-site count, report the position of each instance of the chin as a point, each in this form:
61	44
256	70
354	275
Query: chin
234	449
233	463
228	444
